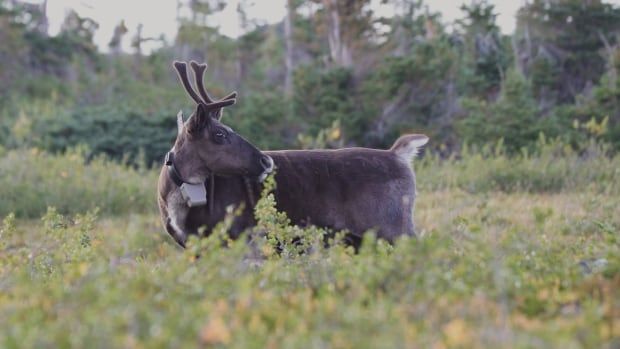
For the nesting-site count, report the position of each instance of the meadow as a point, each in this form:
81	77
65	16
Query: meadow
523	252
518	234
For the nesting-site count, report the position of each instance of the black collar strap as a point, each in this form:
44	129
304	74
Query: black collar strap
172	170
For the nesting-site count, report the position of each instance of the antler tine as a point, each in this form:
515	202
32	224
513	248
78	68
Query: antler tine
199	72
231	95
221	104
181	68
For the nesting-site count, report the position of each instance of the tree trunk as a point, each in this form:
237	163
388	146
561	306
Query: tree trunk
611	62
44	26
340	52
116	43
288	37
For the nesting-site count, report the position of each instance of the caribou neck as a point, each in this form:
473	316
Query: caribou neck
211	193
249	189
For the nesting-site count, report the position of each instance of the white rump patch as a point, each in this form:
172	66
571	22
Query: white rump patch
408	146
416	144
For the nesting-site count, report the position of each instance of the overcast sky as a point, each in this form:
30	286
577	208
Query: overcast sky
158	16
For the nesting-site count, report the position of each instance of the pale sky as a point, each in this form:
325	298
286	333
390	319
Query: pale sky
159	16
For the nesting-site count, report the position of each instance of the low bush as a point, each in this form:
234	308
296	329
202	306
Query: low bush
552	167
517	270
115	131
31	180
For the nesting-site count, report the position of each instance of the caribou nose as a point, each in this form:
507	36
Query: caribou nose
267	163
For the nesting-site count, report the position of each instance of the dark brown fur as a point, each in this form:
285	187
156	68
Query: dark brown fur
356	189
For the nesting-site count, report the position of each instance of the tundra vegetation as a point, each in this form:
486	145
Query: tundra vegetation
517	213
502	261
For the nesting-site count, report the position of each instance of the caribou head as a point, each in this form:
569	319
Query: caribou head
205	146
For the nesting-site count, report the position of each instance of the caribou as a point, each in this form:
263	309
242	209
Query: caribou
210	167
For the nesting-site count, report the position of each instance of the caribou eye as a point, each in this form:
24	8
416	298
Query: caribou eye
219	135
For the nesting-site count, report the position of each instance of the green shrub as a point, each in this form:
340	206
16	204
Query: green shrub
323	97
552	167
263	119
32	180
483	265
512	118
596	116
117	131
412	89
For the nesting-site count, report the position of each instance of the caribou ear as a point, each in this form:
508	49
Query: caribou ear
217	114
180	122
199	120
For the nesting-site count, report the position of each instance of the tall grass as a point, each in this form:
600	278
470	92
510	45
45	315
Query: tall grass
552	167
31	180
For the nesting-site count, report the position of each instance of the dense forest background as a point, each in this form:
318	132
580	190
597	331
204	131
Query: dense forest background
332	73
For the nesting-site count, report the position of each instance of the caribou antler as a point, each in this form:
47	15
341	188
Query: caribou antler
181	68
199	72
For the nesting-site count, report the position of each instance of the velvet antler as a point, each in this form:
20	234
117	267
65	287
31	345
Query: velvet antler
199	71
206	100
181	68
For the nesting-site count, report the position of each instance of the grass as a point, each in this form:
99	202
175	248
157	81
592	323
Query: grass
32	180
515	266
491	270
553	167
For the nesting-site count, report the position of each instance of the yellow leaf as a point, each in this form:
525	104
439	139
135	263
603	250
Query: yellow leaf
255	324
215	332
456	332
83	268
335	133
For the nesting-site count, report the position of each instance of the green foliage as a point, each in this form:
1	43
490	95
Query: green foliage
262	119
409	93
512	118
35	64
552	167
563	43
330	137
486	51
31	181
484	263
116	131
7	230
322	97
506	255
410	73
518	240
597	117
